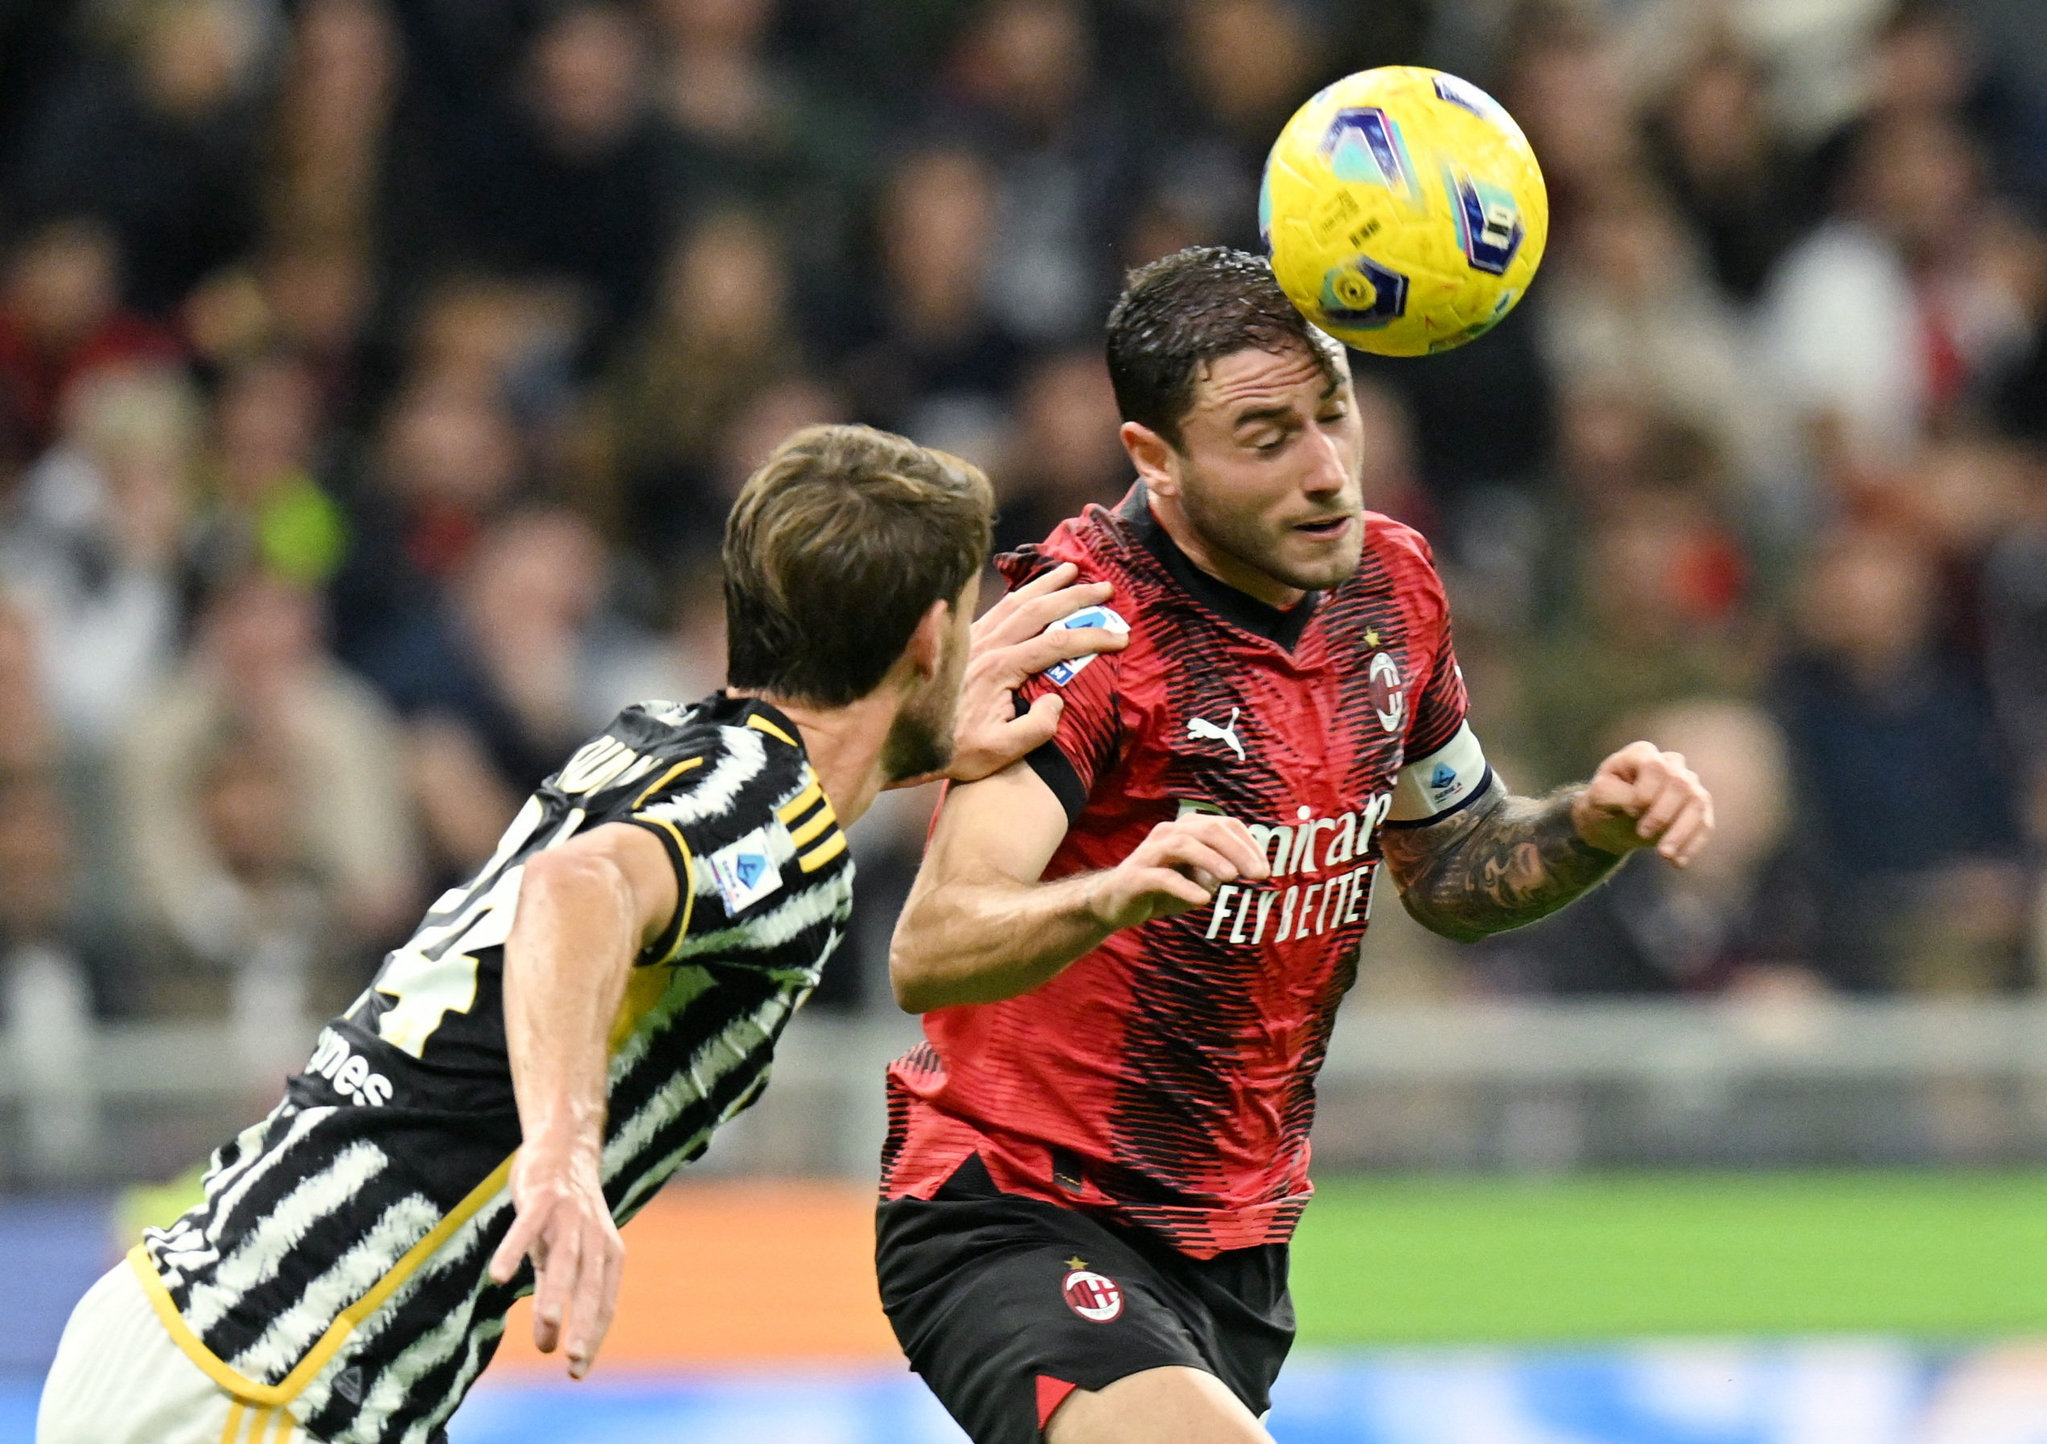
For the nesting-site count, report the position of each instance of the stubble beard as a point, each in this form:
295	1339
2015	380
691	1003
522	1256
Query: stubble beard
1245	541
917	745
921	739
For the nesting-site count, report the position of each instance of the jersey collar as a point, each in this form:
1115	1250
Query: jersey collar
727	710
1239	609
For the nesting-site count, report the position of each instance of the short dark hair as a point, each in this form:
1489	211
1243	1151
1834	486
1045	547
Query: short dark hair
1185	310
834	549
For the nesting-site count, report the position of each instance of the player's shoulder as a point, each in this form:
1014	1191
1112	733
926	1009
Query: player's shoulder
1096	542
1397	545
1399	559
736	747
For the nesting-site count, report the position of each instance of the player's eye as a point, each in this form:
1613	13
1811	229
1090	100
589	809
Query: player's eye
1333	415
1265	443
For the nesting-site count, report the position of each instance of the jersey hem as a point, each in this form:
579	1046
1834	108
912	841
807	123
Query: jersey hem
328	1344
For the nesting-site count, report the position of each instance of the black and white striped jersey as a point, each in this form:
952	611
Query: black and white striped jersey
337	1265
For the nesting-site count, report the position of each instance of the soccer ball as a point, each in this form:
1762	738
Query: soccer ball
1403	210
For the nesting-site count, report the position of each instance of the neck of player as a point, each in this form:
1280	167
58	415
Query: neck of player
1253	583
844	745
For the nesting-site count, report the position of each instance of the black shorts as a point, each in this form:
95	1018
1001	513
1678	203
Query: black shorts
1005	1305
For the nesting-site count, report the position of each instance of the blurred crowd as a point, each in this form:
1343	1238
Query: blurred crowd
374	375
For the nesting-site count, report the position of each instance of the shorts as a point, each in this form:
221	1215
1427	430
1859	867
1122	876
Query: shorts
120	1379
1005	1305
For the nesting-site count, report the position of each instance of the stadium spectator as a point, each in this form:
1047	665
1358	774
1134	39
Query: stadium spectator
1879	721
939	361
95	554
720	334
1653	618
512	666
338	289
1565	82
158	138
1879	324
1628	303
448	460
1064	453
264	505
745	128
1735	176
45	993
61	317
1023	91
759	426
567	183
2014	610
265	809
332	122
1744	917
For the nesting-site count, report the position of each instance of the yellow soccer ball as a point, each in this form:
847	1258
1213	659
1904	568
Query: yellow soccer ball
1404	210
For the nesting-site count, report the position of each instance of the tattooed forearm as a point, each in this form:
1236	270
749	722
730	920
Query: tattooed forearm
1497	864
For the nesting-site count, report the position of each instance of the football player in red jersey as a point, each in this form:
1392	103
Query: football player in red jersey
1130	947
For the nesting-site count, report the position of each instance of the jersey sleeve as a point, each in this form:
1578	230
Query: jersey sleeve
1440	707
650	809
1445	767
1090	736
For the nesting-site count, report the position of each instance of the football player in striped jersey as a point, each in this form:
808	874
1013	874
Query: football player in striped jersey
569	1028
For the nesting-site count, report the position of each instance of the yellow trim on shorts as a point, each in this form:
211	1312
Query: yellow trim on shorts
277	1395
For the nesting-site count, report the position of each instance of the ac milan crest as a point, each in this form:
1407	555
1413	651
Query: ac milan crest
1389	691
1093	1296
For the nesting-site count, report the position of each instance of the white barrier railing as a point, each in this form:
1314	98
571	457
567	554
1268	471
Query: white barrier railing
1494	1084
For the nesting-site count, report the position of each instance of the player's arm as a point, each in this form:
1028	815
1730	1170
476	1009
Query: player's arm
586	909
981	926
1504	861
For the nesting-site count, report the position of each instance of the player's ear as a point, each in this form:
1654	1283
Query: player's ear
1152	455
926	652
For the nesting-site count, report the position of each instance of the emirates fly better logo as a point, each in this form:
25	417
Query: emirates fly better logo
1095	1297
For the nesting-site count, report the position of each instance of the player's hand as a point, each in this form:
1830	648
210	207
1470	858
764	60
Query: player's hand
1645	797
1177	867
564	1223
1011	645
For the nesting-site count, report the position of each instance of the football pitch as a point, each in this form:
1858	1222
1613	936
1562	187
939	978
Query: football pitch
1933	1256
1606	1309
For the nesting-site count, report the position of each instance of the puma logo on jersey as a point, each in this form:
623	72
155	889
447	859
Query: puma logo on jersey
1201	729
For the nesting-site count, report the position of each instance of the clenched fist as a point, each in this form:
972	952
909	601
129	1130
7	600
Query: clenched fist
1643	796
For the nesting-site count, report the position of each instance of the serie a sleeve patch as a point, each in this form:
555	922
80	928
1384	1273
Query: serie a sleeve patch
1442	781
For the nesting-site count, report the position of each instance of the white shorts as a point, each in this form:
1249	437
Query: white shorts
119	1379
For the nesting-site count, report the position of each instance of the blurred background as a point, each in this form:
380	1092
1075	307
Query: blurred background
374	375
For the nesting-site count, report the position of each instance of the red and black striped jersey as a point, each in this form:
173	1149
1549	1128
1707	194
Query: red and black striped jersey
1168	1076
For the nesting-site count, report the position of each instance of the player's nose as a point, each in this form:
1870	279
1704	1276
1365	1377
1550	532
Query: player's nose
1328	469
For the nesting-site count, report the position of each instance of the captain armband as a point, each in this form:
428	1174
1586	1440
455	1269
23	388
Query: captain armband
1437	785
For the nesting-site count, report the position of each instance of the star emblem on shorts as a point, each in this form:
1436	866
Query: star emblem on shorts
1076	1262
1371	637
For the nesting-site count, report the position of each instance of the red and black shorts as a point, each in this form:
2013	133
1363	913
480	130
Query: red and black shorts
1005	1305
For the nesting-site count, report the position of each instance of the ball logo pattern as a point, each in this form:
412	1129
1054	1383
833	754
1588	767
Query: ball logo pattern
1404	210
